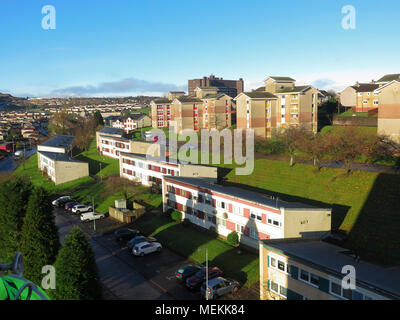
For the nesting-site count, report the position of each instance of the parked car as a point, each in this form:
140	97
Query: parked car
217	287
125	234
78	209
69	205
187	271
195	281
61	201
139	239
146	247
19	154
90	216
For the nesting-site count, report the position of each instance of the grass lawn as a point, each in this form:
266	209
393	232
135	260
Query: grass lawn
366	130
186	240
350	113
109	166
365	204
31	171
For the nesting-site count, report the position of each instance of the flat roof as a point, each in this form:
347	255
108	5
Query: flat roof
59	157
109	130
58	141
333	258
115	138
243	194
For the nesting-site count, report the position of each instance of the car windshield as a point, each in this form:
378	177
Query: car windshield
201	274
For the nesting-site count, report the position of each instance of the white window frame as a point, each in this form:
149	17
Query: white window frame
309	278
341	290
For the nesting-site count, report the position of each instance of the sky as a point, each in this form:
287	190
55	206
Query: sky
149	47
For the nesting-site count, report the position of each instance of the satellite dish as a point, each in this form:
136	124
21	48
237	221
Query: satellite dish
18	264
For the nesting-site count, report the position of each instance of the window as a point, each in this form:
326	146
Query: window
376	102
255	215
273	262
274	287
336	289
281	265
239	228
200	198
222	205
309	278
238	210
253	233
365	102
277	288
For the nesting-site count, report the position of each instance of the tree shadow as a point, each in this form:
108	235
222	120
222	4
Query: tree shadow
94	165
375	233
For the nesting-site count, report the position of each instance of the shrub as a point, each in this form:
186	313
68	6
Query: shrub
176	215
212	230
233	238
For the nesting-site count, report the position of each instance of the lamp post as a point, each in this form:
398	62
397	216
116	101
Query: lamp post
206	249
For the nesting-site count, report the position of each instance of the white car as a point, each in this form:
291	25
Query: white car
90	216
79	208
145	248
55	202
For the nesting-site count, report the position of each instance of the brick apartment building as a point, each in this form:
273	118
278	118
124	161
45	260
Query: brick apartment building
229	87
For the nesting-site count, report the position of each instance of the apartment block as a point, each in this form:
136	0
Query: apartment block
132	122
229	87
188	114
136	167
54	161
162	113
367	98
304	269
348	97
175	94
111	142
389	110
279	105
254	216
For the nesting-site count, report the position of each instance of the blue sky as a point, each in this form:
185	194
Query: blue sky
122	47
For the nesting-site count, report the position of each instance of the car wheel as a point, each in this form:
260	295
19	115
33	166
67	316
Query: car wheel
235	290
159	249
78	212
141	254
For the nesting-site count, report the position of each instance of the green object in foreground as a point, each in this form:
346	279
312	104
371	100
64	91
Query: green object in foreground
11	285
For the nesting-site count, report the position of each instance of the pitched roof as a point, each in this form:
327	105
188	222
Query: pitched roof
389	77
213	96
260	95
260	89
177	92
281	78
209	88
162	100
295	89
188	99
366	87
135	116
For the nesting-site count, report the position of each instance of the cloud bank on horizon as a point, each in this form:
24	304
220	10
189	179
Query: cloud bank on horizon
124	86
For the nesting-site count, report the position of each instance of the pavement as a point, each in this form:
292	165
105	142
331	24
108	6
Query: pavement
8	164
124	276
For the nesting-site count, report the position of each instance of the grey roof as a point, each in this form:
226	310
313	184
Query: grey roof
109	130
332	258
282	78
213	96
135	116
59	157
366	87
389	77
162	100
58	141
260	95
296	89
188	99
244	194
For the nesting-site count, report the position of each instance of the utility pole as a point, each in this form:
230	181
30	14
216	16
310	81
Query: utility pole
101	178
206	249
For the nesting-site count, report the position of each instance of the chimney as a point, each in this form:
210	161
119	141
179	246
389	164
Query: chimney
357	84
372	81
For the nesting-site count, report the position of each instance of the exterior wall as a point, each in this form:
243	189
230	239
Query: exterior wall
51	149
98	139
273	85
111	147
69	171
161	114
366	101
389	111
150	148
47	165
148	172
226	214
348	97
217	113
306	223
296	288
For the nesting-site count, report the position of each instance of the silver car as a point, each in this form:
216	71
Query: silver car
218	287
81	208
145	248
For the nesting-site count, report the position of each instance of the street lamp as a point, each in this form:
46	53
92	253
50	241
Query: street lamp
94	220
206	249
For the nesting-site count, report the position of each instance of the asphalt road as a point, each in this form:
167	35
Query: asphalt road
125	276
8	163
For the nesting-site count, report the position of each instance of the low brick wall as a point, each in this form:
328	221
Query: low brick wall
128	216
355	121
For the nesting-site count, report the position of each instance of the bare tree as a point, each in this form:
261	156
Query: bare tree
129	189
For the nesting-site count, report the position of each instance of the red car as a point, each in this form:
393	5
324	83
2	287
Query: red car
198	279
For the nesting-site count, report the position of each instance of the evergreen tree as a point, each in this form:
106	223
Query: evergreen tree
77	275
14	195
39	236
99	118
